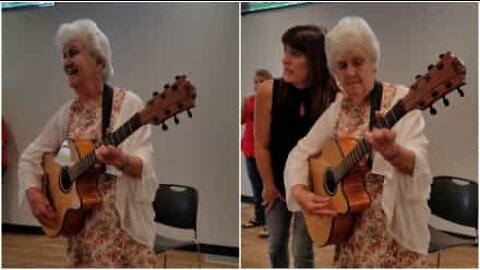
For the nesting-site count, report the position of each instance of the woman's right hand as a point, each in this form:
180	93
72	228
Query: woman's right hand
270	195
312	203
41	207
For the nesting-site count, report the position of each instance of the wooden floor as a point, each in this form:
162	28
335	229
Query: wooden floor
39	251
254	251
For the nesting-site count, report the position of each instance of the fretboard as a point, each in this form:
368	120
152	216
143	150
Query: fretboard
363	148
115	138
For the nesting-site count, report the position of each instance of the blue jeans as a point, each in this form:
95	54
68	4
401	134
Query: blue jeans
257	188
278	223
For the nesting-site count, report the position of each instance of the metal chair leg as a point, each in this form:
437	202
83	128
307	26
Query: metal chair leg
438	259
165	260
199	255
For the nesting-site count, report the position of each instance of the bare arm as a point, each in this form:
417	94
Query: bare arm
129	164
243	111
403	159
312	203
383	141
262	120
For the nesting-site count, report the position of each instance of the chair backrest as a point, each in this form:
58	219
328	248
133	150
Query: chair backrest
455	199
176	206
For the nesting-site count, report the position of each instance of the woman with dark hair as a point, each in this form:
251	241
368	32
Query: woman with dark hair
285	111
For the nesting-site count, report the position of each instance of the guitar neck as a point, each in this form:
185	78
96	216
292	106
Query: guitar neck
115	138
363	148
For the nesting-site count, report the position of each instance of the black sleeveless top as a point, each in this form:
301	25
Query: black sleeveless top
287	125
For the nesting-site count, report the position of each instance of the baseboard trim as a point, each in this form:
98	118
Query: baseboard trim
247	199
215	250
204	248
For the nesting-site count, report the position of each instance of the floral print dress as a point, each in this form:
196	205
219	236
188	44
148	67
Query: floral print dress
102	242
370	244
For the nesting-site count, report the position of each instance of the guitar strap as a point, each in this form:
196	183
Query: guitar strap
106	109
107	100
375	102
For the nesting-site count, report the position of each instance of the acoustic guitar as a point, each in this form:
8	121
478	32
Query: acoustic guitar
72	190
334	171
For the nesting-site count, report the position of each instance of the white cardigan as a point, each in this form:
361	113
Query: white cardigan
134	196
404	198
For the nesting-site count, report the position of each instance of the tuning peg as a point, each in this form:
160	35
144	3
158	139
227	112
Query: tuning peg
189	113
175	119
177	77
183	77
166	86
418	76
460	92
430	66
164	126
446	102
433	111
441	55
426	77
439	66
155	93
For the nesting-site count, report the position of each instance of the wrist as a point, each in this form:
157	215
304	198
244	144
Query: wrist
125	163
394	155
298	190
32	193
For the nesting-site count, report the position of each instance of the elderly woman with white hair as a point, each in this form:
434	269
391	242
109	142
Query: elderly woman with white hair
393	230
120	232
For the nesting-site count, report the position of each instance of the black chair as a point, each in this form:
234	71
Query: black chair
456	200
176	206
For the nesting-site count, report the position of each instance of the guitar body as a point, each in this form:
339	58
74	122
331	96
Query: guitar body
348	197
71	200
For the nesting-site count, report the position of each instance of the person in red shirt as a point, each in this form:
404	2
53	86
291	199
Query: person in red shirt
248	105
4	147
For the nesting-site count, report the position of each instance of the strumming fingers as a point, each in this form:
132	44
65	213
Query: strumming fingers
322	205
326	212
321	199
50	210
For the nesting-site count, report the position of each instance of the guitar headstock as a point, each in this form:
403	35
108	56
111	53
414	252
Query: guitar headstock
442	78
174	99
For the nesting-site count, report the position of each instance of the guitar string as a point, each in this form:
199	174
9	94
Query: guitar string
114	138
363	148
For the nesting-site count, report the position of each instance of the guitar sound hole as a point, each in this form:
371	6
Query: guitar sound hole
329	184
65	183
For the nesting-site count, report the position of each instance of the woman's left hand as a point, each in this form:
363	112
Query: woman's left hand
382	140
111	155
